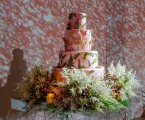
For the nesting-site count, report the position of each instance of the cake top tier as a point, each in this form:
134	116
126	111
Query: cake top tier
77	20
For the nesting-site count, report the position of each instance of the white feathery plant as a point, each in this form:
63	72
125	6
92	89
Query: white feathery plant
125	79
83	92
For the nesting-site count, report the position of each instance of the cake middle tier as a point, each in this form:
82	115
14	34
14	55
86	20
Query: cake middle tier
78	39
78	59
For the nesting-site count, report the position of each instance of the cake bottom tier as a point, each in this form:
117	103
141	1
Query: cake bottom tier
95	72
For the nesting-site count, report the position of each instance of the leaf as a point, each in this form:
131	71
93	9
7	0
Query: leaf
83	16
97	55
85	55
98	66
82	67
76	55
60	55
64	64
89	63
84	25
77	25
94	61
92	71
63	57
92	54
79	63
70	62
125	103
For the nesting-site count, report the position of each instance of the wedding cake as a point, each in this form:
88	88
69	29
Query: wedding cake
78	48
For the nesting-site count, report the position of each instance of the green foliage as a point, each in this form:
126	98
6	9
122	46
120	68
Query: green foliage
79	64
34	86
63	56
85	55
70	62
94	61
76	55
122	80
80	92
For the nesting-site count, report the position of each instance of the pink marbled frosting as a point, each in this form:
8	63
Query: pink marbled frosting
78	39
78	59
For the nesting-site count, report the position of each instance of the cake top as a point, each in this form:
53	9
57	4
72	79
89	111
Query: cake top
77	20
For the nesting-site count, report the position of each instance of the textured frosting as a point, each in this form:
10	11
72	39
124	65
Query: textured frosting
78	39
78	59
77	21
95	72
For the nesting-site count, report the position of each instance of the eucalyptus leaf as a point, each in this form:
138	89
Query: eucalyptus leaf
89	63
97	55
94	61
63	57
60	55
92	71
85	55
76	55
82	67
92	54
70	62
79	63
84	25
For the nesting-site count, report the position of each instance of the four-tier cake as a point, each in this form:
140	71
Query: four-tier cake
78	45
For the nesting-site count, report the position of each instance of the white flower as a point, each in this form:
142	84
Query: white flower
94	99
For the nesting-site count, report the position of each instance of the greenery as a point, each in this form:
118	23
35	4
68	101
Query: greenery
80	92
122	81
35	85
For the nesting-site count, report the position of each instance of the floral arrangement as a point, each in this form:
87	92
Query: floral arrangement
35	85
122	81
80	92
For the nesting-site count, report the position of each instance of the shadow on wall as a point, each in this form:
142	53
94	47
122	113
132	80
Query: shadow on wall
18	67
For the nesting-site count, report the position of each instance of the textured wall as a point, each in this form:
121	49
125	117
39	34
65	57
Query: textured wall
134	43
115	17
37	27
126	33
126	39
